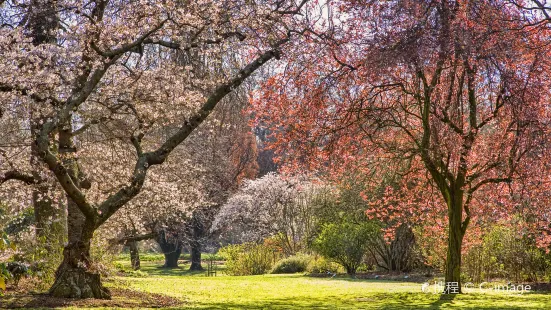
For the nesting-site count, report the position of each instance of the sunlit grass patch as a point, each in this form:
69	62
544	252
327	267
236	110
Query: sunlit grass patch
297	291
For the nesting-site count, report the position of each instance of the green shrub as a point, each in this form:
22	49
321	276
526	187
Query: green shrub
292	264
322	265
505	254
248	258
5	244
43	256
346	243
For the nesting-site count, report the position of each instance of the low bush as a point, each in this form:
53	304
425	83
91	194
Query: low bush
321	265
42	255
292	264
248	258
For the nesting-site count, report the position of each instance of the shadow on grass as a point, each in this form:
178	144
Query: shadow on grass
395	301
121	298
385	301
349	279
176	271
443	300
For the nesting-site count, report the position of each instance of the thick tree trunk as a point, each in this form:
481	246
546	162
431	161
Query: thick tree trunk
42	21
195	256
134	254
455	241
195	244
73	277
171	249
171	258
351	271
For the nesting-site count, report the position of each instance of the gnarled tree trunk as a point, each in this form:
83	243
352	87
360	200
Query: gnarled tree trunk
171	249
74	278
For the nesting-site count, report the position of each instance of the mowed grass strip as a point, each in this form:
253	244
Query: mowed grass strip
197	291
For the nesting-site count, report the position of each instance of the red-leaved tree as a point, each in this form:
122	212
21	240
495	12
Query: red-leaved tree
451	96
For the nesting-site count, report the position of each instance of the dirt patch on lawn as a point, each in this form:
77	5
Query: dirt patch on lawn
121	298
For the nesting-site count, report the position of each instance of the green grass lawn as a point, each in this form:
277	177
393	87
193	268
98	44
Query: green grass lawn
300	292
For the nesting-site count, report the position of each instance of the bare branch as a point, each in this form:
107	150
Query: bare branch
19	176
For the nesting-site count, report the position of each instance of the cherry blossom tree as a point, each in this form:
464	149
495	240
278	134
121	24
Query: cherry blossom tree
271	206
204	171
110	70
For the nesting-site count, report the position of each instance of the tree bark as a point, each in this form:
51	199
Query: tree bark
351	271
455	241
73	278
195	244
171	249
76	220
171	258
195	256
134	254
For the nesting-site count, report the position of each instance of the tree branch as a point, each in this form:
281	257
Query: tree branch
157	157
19	176
489	181
133	238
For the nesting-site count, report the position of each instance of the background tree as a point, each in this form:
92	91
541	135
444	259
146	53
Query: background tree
272	205
217	157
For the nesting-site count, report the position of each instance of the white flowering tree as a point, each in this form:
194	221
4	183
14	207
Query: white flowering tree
107	75
272	205
195	181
